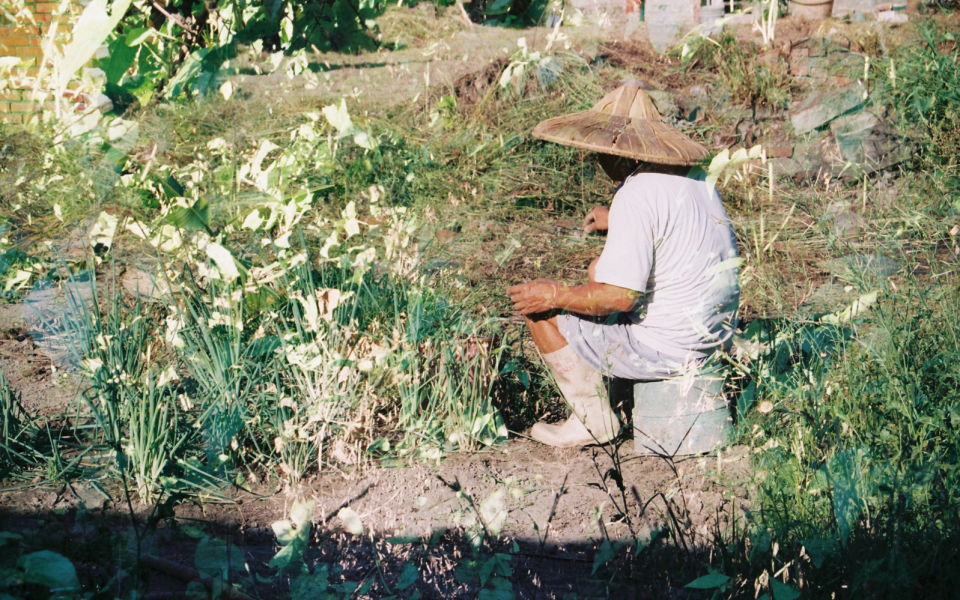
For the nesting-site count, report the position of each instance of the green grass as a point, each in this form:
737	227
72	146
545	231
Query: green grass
743	78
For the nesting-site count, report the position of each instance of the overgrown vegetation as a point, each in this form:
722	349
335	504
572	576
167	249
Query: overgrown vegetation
746	79
261	298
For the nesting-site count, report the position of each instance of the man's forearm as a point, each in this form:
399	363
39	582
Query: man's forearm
596	299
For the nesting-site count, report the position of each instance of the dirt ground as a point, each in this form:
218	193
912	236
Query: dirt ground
34	362
391	77
556	505
550	495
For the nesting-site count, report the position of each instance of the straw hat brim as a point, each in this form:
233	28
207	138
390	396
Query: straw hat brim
638	139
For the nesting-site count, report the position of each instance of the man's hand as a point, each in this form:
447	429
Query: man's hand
597	219
535	296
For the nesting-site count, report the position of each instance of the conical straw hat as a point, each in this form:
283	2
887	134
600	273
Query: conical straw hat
624	123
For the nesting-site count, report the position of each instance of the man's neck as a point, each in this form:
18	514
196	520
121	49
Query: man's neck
648	167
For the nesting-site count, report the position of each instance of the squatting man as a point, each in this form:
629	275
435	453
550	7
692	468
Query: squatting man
662	296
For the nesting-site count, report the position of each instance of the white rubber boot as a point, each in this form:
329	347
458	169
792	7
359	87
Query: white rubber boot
592	421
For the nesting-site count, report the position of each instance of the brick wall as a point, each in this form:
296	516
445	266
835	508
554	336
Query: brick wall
25	40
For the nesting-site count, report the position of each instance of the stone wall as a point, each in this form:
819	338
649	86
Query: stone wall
668	20
25	41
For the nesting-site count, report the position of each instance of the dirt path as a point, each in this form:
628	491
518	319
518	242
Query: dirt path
544	492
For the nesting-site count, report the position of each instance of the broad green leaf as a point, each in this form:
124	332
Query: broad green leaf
89	33
502	589
604	555
821	550
350	223
486	570
123	136
351	521
141	230
466	572
506	76
499	7
19	279
49	569
137	86
301	514
284	531
503	564
339	117
363	139
8	258
849	475
494	511
408	577
189	70
196	591
137	36
859	306
170	186
194	532
725	164
224	261
120	59
216	558
104	230
167	238
286	556
192	218
524	378
256	164
647	536
480	423
782	591
253	220
709	582
311	586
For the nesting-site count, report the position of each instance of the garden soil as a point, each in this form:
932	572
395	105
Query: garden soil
556	505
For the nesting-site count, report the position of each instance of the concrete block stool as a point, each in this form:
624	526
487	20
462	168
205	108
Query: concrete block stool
681	416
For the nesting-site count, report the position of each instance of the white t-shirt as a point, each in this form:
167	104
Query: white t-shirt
671	239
